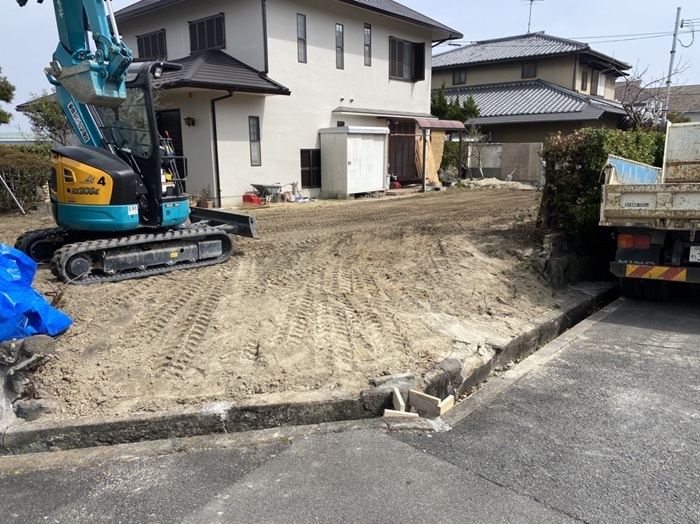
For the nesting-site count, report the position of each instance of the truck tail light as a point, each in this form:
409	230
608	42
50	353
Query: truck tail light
627	241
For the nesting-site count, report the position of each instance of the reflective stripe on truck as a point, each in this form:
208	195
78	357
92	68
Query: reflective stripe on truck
671	274
657	272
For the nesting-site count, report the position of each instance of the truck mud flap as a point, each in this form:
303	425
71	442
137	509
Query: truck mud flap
649	272
243	225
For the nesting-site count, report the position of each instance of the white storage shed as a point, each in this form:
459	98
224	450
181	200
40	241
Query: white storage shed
353	160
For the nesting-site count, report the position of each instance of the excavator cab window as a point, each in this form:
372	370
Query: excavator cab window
126	127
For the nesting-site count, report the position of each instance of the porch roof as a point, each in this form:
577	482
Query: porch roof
424	120
214	69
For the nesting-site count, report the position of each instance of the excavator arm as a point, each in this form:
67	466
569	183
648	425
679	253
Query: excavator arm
93	75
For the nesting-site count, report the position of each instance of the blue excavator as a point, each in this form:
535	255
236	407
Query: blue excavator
119	197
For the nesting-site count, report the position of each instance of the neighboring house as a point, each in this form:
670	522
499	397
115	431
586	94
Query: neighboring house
684	100
529	86
262	77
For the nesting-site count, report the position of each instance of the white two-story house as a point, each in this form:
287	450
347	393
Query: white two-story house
262	77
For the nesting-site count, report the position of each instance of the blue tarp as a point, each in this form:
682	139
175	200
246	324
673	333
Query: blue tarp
23	311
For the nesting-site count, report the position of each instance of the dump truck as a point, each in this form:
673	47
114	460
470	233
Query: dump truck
655	213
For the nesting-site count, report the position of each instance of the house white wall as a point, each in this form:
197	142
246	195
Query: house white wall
242	19
288	123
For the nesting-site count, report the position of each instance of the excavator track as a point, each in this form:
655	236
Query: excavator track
41	244
139	256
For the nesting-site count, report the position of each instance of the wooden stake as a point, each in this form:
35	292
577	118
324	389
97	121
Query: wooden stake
399	404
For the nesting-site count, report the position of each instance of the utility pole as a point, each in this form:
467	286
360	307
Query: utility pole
664	111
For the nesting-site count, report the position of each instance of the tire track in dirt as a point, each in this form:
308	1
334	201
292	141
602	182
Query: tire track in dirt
177	359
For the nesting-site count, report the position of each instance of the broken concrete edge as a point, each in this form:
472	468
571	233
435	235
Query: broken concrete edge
503	382
450	378
300	410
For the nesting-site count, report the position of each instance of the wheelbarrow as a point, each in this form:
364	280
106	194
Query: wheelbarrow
266	190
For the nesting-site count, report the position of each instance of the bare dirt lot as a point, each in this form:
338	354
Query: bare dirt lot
332	294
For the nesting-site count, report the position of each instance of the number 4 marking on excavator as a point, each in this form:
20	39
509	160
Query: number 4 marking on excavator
102	181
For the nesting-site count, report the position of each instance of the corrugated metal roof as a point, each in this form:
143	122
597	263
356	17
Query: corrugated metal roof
388	8
532	100
380	113
516	47
214	69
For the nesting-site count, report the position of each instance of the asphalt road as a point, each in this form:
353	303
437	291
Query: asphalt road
602	426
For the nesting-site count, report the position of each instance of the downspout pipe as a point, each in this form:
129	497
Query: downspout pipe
215	138
264	28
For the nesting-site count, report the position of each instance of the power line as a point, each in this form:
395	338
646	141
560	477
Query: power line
631	34
613	38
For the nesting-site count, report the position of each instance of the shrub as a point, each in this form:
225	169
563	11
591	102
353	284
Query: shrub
573	172
26	169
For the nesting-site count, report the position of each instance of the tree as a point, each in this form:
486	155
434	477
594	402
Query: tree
452	110
644	101
7	93
47	120
456	156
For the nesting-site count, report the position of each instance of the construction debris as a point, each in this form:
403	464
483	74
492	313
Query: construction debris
399	404
392	413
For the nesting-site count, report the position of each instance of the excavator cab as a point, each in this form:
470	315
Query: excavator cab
119	187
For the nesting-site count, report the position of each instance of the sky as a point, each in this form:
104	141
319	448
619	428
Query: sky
638	32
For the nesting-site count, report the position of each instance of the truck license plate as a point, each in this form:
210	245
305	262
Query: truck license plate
694	254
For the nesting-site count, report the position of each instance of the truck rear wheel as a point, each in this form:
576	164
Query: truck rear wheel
657	290
631	288
653	290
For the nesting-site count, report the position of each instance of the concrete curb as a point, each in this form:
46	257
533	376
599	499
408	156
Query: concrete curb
503	382
310	408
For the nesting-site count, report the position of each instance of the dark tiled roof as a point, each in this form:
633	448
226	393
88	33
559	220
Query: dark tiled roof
401	12
519	47
214	69
532	101
386	7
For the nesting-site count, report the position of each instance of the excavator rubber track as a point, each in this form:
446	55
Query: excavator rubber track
140	256
41	244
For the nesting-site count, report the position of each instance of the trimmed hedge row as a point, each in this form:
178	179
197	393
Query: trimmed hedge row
26	169
573	172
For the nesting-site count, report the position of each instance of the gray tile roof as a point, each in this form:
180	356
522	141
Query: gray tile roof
519	47
531	101
214	69
388	8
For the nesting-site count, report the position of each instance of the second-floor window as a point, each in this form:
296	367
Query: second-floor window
301	38
207	33
368	45
254	136
601	85
529	70
152	45
459	77
584	80
339	47
406	60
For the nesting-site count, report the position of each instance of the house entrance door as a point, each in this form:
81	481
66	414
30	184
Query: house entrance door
402	152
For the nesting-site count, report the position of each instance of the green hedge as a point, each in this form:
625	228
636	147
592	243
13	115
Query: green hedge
573	165
26	169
